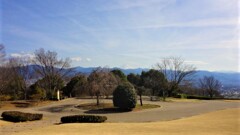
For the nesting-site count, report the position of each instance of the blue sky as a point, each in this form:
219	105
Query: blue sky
125	33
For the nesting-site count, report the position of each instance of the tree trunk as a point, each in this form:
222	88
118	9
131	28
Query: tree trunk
97	99
211	94
25	95
141	100
164	98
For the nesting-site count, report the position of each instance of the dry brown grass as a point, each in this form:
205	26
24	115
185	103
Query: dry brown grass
9	105
3	123
224	122
232	101
182	100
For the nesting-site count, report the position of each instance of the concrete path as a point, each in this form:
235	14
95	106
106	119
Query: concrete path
168	111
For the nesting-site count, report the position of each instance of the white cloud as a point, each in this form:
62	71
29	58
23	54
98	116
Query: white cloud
22	55
76	59
128	4
128	66
88	59
212	22
80	59
196	62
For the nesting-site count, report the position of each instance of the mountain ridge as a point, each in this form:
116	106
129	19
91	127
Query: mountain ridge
226	78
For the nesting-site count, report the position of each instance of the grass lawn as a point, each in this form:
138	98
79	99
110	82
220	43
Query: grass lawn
224	122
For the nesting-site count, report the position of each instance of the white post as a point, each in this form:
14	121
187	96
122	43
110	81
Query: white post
58	95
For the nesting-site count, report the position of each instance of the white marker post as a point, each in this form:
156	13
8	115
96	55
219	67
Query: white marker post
58	95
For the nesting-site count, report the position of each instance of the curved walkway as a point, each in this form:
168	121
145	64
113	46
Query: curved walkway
168	111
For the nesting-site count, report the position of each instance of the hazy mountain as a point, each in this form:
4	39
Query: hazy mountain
227	78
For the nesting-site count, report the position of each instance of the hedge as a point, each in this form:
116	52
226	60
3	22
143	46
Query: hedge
16	116
124	97
196	97
83	119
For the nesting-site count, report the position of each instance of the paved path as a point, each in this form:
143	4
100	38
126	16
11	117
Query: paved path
168	111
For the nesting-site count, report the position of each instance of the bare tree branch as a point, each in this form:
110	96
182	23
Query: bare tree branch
210	85
176	71
51	68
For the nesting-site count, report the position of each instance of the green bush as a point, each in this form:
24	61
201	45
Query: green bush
185	96
182	96
125	97
83	119
5	97
16	116
198	97
38	93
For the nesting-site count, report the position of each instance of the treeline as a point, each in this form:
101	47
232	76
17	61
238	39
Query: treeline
50	74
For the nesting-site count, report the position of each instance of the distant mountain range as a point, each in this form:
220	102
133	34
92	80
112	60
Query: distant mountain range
226	78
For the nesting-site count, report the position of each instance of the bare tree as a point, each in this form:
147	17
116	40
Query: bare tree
50	67
176	71
2	54
210	85
5	73
14	75
20	67
17	84
101	82
4	79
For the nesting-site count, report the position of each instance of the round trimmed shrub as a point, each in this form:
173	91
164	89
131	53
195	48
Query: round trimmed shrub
124	97
16	116
83	119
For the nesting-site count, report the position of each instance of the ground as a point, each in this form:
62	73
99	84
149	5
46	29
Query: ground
171	118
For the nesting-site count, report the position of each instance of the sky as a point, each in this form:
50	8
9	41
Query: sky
125	33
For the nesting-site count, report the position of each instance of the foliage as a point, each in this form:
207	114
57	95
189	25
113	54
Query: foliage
124	97
121	77
155	81
137	82
5	97
134	79
44	85
185	96
198	97
75	86
37	93
83	119
16	116
182	96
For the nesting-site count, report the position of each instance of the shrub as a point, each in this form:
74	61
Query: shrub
16	116
182	96
38	93
198	97
83	119
125	97
5	97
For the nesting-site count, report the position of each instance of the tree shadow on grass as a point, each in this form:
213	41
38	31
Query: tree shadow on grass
57	109
21	104
107	111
